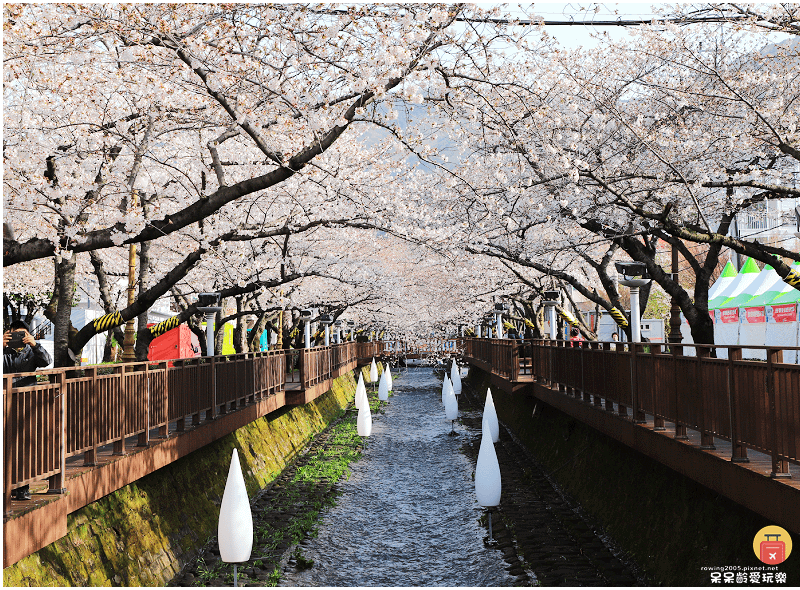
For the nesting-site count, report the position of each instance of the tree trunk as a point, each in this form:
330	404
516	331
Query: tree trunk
201	336
62	356
240	332
702	327
143	345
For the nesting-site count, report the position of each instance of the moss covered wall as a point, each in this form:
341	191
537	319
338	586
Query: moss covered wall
143	534
671	525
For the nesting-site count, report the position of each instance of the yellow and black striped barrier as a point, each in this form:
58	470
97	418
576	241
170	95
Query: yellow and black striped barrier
619	317
108	321
793	278
568	317
165	326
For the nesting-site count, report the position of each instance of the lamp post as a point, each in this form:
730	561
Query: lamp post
550	302
351	324
306	316
208	303
634	276
338	325
499	308
630	271
326	321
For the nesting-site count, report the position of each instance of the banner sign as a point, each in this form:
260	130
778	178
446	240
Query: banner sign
755	315
784	313
729	316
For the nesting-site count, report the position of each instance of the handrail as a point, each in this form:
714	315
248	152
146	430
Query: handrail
76	410
753	404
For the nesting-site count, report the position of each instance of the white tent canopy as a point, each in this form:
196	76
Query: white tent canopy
753	319
726	320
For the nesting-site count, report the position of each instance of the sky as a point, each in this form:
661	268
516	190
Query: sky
579	35
572	37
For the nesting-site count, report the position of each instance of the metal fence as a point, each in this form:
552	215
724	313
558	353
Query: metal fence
753	404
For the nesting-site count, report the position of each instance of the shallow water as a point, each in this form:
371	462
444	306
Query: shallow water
407	515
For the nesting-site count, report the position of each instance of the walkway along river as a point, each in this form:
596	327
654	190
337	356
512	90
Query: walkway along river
407	515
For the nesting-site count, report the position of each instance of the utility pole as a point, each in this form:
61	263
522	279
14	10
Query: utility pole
675	336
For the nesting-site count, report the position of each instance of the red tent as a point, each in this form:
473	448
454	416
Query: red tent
178	343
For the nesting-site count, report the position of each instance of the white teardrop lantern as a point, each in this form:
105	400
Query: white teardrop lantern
383	388
361	389
455	377
389	377
373	371
490	414
446	386
451	405
487	471
235	529
364	422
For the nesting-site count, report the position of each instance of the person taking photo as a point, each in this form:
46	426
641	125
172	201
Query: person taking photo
22	354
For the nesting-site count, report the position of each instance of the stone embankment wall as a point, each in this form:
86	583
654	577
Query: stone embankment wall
143	534
670	525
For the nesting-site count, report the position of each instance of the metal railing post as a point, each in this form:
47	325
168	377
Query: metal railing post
609	405
302	362
9	430
164	430
658	422
637	415
144	437
119	445
55	483
680	429
514	361
622	409
738	450
584	396
214	406
706	438
780	467
90	456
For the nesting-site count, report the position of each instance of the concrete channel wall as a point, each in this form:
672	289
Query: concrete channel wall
669	524
144	533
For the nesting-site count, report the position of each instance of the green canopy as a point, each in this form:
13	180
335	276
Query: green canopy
776	290
790	296
746	276
758	287
728	274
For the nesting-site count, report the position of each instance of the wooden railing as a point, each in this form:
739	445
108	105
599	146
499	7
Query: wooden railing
74	411
435	345
367	350
753	404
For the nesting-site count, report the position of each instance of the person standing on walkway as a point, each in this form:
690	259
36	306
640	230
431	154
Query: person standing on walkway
575	336
22	354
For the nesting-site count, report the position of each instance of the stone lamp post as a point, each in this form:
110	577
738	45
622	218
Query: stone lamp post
208	304
634	276
550	302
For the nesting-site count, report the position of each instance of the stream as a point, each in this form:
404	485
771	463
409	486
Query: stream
407	515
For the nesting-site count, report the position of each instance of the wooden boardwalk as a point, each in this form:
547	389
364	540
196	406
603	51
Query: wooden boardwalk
84	435
755	467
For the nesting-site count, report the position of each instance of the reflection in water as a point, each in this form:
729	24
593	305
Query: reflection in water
407	515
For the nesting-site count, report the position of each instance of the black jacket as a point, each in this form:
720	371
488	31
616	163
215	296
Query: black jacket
23	361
